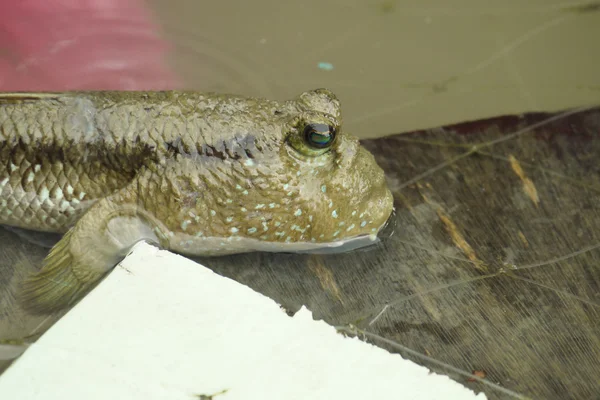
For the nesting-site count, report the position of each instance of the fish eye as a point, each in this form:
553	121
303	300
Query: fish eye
319	136
312	134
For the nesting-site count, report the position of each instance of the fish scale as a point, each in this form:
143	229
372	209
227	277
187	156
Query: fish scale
51	191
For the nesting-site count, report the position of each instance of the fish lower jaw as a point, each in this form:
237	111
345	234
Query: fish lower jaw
215	246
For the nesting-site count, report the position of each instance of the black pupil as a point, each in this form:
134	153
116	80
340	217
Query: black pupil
319	136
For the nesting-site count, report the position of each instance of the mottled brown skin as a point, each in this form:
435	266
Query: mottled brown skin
199	174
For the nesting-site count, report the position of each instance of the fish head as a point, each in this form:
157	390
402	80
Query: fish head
300	184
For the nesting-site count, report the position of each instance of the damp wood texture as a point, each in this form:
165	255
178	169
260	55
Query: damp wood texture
492	269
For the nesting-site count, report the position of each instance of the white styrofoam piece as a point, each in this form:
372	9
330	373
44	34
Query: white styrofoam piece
163	327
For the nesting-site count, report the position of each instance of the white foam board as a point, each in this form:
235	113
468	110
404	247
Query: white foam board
163	327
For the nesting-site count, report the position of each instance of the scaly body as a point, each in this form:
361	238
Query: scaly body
199	174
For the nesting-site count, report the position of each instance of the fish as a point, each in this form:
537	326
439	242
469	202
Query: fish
199	174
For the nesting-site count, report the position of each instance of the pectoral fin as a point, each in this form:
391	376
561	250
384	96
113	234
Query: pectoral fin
100	240
57	286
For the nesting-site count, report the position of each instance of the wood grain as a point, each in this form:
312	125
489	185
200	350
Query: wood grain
491	266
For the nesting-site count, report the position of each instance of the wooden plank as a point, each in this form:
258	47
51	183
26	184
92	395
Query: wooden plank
204	335
493	264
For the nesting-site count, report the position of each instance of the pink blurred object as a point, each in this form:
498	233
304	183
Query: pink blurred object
54	45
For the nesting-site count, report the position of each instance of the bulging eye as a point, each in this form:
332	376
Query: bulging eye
313	134
319	136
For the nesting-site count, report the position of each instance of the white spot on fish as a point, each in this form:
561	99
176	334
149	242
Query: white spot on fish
234	230
265	227
30	177
69	189
279	234
213	213
297	228
245	192
277	223
59	193
81	195
362	224
243	209
259	206
288	239
289	193
37	167
4	182
249	163
199	234
298	212
44	194
271	205
12	167
285	186
350	228
324	188
342	223
310	218
229	201
336	233
334	214
229	219
353	213
238	187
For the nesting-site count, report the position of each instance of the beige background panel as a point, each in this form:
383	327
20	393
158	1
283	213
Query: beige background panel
397	66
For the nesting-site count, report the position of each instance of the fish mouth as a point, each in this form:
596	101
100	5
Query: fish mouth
360	242
342	246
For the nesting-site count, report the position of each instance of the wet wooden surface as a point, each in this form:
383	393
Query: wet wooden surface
492	264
